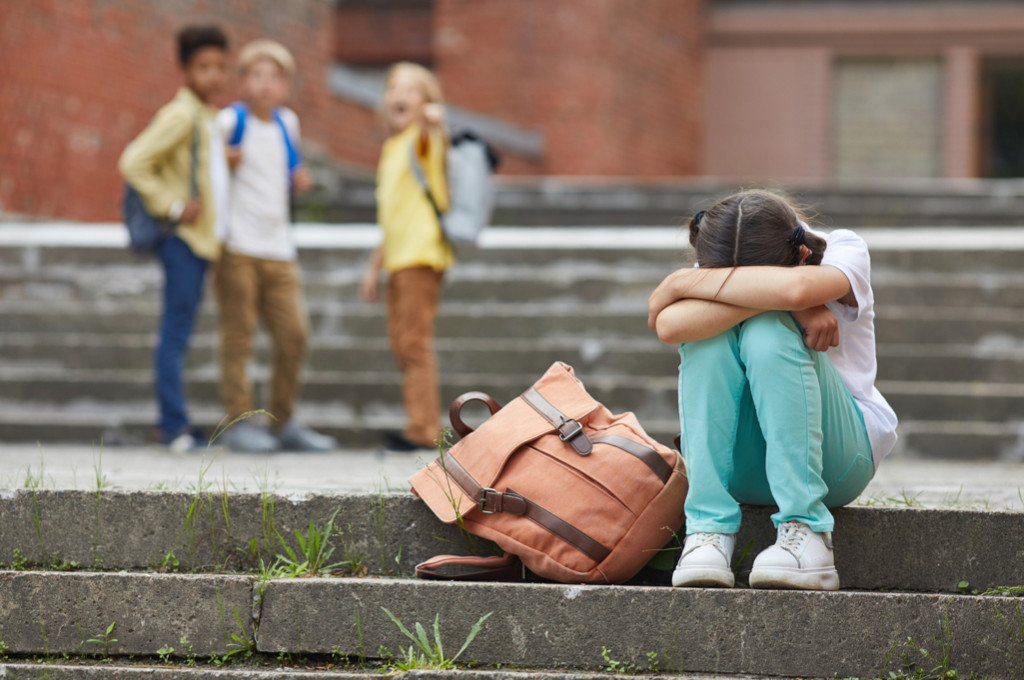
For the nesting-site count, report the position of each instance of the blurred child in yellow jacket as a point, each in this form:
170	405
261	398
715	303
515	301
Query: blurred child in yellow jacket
414	252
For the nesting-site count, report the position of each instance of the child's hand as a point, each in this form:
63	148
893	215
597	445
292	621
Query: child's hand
368	286
234	156
193	208
433	115
821	328
302	181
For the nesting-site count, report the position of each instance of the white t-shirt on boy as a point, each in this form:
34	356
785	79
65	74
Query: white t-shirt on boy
258	220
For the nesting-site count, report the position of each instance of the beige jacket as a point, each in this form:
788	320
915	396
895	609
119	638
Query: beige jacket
158	165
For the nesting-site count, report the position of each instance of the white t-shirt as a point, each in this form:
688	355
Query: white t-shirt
220	181
854	358
258	221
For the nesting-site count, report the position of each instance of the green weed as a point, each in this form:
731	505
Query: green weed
105	639
904	499
1015	627
242	643
613	666
165	654
1006	591
315	550
431	653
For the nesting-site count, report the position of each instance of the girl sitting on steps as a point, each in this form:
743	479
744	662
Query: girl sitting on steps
777	402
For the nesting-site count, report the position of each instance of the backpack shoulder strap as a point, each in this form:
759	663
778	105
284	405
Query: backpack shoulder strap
421	178
241	111
294	157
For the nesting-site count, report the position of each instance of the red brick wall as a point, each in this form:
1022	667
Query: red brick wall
80	78
613	84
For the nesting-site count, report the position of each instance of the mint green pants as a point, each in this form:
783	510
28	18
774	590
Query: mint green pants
767	421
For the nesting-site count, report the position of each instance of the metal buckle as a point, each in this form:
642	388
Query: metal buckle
575	433
483	501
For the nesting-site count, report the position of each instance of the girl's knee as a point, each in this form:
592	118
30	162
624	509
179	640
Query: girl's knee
768	334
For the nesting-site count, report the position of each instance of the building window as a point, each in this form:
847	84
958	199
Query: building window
887	117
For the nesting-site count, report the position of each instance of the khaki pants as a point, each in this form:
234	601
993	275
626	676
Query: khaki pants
414	296
251	287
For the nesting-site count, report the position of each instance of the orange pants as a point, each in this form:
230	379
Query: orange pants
249	288
414	295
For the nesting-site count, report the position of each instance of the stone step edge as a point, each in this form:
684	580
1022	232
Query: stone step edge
877	547
48	670
363	236
694	629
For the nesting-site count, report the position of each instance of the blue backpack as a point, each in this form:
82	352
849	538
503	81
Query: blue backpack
242	111
146	232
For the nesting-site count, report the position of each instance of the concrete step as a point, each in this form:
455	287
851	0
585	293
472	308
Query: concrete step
737	631
994	359
345	247
619	201
948	325
123	669
132	424
213	528
546	625
365	392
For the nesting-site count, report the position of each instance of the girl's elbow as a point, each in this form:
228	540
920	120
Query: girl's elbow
668	333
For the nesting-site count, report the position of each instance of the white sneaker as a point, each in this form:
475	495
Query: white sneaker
799	559
706	561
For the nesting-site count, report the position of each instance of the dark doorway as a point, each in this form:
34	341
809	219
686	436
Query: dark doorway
1002	118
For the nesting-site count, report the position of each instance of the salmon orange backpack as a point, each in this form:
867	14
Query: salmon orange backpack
556	480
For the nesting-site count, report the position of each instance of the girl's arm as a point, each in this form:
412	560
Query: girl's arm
761	288
692	320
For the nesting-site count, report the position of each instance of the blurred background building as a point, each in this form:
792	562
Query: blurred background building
810	92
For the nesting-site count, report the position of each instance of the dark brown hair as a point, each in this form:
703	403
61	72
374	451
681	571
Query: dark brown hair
750	228
191	39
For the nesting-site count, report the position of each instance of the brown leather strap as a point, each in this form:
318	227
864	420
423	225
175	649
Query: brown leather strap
648	455
495	568
455	412
569	430
491	501
559	527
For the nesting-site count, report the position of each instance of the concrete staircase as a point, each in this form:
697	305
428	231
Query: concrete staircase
79	314
166	566
586	201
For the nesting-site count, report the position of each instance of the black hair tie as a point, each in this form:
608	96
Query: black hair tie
698	216
798	237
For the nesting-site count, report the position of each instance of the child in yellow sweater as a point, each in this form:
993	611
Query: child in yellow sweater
414	252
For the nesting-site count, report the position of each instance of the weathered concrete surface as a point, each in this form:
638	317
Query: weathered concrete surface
24	671
57	613
112	672
787	633
389	533
930	550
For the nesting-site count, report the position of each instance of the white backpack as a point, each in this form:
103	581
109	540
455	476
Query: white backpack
471	164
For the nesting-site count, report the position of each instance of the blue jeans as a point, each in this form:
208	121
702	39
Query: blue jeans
767	421
184	274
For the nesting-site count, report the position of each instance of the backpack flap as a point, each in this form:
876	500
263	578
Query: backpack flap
482	455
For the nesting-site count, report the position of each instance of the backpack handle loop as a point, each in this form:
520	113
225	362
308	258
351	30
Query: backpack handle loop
455	413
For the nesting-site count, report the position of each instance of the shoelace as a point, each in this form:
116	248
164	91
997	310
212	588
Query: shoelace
701	540
792	536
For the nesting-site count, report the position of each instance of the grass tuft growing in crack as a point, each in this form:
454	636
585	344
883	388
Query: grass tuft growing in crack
430	654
